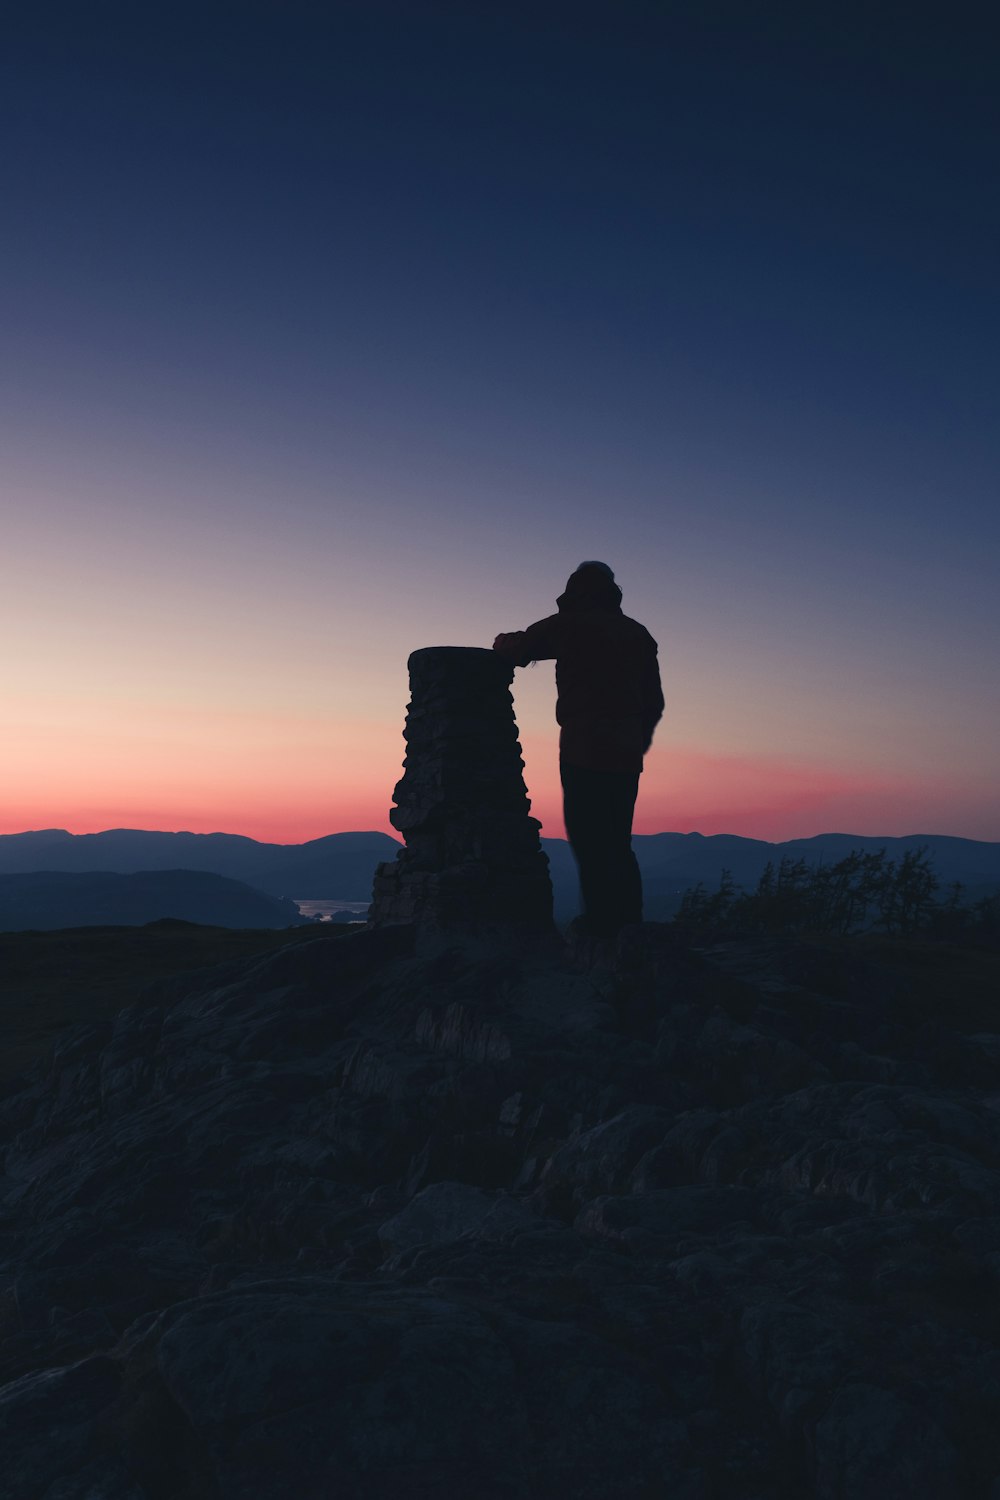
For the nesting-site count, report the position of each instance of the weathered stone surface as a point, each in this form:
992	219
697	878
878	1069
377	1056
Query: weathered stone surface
48	1424
472	856
374	1392
603	1157
385	1214
447	1211
872	1444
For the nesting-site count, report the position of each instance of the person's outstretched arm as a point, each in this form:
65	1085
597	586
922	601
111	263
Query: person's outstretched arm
538	643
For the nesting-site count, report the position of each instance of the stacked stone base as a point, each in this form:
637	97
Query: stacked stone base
472	855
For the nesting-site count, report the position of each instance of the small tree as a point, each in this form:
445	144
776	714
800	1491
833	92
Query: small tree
905	893
700	912
860	891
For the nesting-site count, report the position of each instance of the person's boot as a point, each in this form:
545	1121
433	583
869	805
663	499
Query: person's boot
591	944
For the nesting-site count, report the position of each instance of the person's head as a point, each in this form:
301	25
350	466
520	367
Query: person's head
591	586
602	567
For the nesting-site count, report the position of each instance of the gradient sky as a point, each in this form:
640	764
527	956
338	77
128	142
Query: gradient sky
333	331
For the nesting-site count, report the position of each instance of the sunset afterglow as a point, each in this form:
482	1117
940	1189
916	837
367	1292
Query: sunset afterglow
355	363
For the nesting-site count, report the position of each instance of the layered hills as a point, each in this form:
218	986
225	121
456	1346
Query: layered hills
341	865
49	900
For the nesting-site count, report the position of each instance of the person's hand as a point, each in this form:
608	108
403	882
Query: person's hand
500	642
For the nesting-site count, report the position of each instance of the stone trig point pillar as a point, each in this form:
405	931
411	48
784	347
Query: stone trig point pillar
472	856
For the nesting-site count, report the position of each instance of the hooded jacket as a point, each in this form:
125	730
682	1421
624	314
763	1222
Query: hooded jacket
607	675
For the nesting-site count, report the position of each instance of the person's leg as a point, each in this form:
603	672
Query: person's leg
598	807
625	896
578	816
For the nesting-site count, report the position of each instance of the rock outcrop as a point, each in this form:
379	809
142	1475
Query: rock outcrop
385	1218
472	857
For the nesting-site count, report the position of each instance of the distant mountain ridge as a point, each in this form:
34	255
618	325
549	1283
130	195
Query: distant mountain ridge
340	866
954	858
672	862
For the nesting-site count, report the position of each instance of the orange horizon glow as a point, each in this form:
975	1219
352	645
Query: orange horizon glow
683	790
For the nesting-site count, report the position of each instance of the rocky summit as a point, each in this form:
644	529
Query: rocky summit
404	1213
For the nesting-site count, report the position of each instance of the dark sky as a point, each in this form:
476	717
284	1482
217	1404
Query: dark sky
419	304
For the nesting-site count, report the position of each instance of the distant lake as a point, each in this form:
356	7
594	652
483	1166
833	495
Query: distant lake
326	909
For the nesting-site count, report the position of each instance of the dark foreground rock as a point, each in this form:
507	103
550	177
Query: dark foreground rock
386	1217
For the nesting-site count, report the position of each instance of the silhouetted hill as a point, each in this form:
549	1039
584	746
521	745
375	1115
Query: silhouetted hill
341	865
704	857
672	862
53	899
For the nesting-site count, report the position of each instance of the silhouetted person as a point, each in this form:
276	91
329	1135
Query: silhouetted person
609	703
